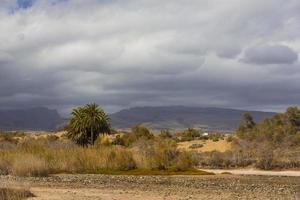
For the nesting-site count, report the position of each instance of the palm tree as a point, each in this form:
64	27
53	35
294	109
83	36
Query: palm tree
86	123
95	120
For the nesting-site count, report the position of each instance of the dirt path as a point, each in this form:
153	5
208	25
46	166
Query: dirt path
255	172
104	187
44	193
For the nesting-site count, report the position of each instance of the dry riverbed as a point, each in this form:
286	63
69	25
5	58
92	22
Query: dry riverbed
105	187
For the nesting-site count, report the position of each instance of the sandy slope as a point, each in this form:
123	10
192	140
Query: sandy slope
208	145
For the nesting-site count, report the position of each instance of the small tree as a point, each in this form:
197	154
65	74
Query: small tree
141	132
246	126
86	123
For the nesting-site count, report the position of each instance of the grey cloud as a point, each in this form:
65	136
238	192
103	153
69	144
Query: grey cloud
127	53
270	54
229	52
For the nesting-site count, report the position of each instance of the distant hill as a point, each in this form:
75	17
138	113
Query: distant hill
179	117
172	117
30	119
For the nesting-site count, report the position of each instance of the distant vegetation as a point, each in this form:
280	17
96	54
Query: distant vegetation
90	146
273	143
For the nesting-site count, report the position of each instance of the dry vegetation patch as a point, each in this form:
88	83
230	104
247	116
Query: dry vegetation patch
43	156
29	165
14	194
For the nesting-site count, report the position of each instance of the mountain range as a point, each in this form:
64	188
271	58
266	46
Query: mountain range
36	119
170	117
179	117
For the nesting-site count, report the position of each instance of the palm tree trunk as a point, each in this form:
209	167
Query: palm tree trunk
92	136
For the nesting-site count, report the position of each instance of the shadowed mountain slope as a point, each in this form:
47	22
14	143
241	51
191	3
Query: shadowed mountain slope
29	119
178	117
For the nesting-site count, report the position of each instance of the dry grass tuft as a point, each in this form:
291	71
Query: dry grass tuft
4	166
14	194
29	165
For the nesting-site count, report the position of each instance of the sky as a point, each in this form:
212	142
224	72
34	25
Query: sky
126	53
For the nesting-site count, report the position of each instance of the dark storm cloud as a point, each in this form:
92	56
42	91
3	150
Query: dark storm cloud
126	53
270	54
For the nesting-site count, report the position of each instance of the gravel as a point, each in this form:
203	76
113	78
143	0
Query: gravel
181	187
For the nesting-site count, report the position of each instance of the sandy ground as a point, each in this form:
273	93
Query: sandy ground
105	187
208	145
92	194
255	172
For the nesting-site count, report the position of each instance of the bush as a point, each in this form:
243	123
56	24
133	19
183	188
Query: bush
142	132
9	137
229	139
119	141
265	157
102	141
226	159
189	135
118	159
52	138
126	140
138	133
4	166
164	152
29	165
216	136
165	134
196	146
162	155
184	161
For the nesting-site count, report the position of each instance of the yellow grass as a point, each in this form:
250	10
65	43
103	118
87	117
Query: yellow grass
29	165
208	145
12	190
14	194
